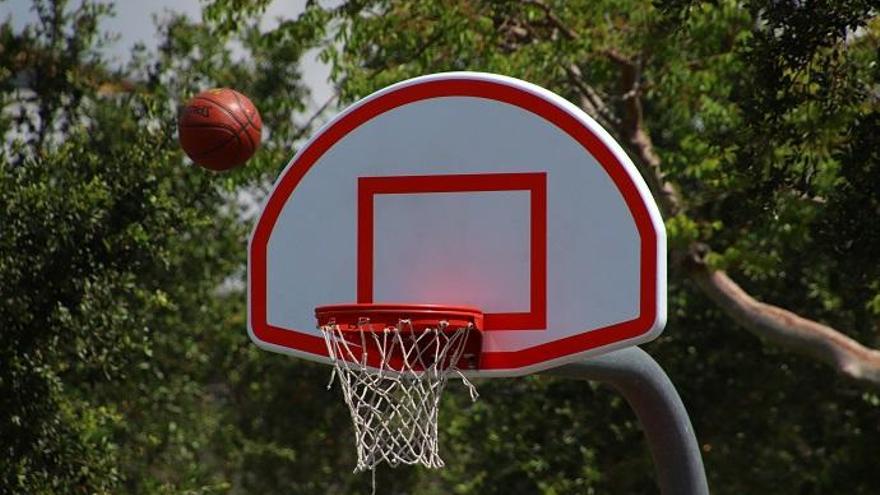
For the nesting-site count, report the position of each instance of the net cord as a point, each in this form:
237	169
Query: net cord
394	407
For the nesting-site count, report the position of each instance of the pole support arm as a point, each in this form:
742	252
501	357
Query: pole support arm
656	403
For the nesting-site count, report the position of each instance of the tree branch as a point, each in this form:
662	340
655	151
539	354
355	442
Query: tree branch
787	329
591	102
772	323
632	129
553	18
630	125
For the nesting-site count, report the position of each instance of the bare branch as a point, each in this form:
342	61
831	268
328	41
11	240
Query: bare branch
591	102
551	16
630	126
632	129
789	330
773	323
617	57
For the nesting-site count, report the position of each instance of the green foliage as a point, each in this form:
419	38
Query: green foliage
124	364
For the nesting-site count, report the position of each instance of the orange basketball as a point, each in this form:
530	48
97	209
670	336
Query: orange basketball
219	129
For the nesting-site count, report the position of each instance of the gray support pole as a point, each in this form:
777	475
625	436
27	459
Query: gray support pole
653	397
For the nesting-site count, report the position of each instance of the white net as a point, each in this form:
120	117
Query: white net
394	403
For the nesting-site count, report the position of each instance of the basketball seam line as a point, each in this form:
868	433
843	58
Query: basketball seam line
206	125
247	115
217	147
221	106
232	115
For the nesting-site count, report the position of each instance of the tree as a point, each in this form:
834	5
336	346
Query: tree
124	363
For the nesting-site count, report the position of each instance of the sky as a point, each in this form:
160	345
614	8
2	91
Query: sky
133	23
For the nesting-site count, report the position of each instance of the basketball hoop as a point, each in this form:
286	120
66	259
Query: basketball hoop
393	362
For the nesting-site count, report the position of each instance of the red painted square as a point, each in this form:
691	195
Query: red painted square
533	183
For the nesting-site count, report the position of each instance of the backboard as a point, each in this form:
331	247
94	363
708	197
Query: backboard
464	189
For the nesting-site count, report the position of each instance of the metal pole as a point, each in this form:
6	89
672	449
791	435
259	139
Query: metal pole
653	397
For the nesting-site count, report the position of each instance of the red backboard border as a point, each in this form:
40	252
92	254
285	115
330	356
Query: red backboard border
552	112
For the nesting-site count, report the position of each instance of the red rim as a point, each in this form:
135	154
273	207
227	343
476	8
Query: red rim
385	314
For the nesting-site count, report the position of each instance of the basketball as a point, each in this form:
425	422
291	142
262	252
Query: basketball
219	129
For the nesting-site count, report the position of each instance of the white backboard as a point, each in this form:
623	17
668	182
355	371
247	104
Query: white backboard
464	189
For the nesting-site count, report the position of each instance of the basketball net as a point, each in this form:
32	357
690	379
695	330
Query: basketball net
394	404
